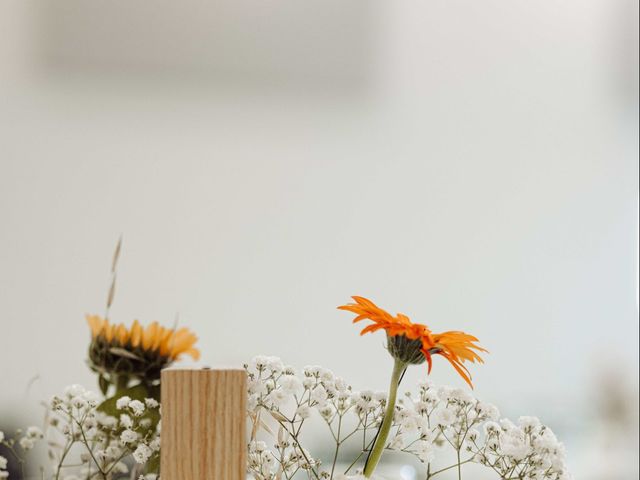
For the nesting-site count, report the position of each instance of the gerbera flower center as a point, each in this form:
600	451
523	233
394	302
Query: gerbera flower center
406	350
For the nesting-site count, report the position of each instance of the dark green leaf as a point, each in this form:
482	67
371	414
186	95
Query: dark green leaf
104	385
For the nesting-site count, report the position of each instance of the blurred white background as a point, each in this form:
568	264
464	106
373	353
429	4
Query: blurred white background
471	164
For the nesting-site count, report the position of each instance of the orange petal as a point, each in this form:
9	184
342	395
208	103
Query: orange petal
136	334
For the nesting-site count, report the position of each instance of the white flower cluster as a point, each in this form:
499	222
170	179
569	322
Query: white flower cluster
434	419
101	443
290	400
437	417
528	450
26	441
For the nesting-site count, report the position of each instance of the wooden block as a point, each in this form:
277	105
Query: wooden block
203	425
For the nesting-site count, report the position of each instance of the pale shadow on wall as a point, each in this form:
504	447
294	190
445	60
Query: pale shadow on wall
324	44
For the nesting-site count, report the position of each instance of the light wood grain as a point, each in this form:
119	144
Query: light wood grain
203	425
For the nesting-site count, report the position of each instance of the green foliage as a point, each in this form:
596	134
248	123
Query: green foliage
137	392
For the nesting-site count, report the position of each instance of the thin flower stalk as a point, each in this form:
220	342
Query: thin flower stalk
399	368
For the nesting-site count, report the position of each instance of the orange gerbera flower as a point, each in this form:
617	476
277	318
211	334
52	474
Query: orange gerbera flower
414	342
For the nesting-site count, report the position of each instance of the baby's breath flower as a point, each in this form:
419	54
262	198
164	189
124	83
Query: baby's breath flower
506	424
123	402
319	395
27	443
487	411
34	432
312	370
125	421
528	423
425	451
276	399
445	417
128	436
436	417
491	428
308	383
142	453
137	407
327	412
290	385
155	444
74	391
78	402
303	411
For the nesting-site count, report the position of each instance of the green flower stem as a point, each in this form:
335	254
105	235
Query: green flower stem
381	440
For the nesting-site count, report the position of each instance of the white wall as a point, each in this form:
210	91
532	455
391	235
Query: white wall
483	178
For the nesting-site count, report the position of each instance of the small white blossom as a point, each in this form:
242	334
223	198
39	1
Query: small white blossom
290	385
123	402
27	443
319	395
276	399
445	417
327	412
125	421
74	391
128	436
303	411
155	444
425	451
308	383
460	395
491	428
34	432
326	375
79	402
137	407
488	411
142	453
528	423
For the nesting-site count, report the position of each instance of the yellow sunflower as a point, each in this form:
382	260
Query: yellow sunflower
137	351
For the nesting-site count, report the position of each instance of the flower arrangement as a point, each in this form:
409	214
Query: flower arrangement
115	434
424	423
